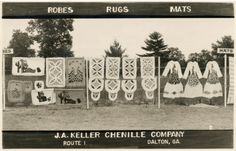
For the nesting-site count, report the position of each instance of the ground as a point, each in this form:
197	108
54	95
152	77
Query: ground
118	116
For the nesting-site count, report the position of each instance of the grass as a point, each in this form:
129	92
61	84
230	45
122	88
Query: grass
117	116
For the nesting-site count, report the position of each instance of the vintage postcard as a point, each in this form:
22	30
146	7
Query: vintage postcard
117	75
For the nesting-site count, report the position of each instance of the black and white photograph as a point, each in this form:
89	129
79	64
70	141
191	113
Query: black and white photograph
161	81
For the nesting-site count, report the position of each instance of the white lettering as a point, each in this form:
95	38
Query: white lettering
117	9
60	10
180	9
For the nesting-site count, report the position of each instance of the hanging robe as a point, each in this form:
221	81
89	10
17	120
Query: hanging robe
173	87
213	87
193	88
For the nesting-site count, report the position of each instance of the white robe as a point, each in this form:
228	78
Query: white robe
193	87
213	86
173	90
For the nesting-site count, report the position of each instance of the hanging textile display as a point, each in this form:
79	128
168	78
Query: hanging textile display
112	83
147	67
112	87
96	77
96	86
149	82
96	68
38	85
71	96
55	72
173	87
75	72
129	72
213	87
23	66
193	87
112	67
28	86
231	81
129	68
129	87
149	85
43	97
15	91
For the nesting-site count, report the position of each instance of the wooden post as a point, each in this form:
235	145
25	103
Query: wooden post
87	83
225	80
225	51
3	83
4	53
159	83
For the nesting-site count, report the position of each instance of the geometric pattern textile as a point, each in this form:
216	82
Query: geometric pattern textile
55	72
96	86
149	85
96	75
96	68
112	67
147	67
129	87
75	72
129	68
112	87
24	66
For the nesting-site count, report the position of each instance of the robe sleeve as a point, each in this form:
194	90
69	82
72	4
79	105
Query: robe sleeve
199	73
206	72
186	72
166	70
216	66
179	70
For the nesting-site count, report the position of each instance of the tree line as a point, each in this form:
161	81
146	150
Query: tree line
155	46
54	40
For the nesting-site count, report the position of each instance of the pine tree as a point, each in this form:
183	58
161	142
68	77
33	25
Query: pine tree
115	50
155	46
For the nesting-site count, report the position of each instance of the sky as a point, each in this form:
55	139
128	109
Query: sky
92	36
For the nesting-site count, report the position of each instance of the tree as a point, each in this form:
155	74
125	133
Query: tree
202	58
21	43
155	46
53	36
225	42
176	54
115	50
193	57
